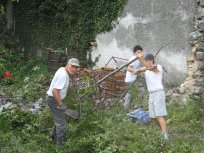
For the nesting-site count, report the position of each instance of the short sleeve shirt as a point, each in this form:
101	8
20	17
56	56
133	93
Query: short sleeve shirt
154	79
130	77
60	81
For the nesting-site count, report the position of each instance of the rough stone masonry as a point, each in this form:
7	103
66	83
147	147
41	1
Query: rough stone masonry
194	82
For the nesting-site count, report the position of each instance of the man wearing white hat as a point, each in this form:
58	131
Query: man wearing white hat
55	95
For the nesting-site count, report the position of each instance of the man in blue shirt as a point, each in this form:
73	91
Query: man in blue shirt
131	74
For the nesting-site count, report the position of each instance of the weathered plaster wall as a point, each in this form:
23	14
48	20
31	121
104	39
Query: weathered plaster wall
152	24
194	82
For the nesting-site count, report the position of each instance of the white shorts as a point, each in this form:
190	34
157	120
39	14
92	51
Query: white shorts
157	104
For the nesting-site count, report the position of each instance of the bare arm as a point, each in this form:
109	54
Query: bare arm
131	69
57	96
154	69
136	71
149	66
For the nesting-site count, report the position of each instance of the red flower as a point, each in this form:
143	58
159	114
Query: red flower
7	75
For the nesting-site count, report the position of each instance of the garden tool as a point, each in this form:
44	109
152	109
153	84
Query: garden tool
101	80
72	113
118	69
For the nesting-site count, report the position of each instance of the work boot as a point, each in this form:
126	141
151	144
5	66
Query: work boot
61	140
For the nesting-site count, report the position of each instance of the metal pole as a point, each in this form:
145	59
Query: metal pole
115	71
109	75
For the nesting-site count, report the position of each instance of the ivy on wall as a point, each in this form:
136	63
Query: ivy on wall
70	24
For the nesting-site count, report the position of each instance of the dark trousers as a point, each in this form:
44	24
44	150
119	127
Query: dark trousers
59	130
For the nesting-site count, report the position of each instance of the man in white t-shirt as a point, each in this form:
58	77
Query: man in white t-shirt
55	95
131	75
157	99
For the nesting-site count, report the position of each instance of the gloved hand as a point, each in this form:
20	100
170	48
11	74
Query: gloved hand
61	107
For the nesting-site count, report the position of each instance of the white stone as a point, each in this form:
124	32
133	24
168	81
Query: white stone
197	74
200	65
195	35
200	46
182	89
189	78
194	48
201	3
201	26
199	81
175	97
200	56
170	92
196	90
200	13
190	59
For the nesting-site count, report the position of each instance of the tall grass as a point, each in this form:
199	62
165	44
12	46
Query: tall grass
104	131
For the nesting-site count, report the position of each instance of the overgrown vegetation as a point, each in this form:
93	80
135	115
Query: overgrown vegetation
29	77
104	131
97	131
70	24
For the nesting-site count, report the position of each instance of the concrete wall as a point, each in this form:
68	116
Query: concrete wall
151	24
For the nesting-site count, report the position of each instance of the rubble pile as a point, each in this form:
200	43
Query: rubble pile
111	87
35	107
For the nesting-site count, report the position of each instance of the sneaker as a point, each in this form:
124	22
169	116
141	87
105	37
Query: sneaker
166	136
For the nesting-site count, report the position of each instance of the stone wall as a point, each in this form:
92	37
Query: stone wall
151	24
194	82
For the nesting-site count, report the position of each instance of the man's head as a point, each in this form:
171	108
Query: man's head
137	49
72	65
149	58
74	62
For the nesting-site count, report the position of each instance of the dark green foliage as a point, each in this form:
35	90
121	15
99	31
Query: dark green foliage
29	76
70	24
16	119
2	18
